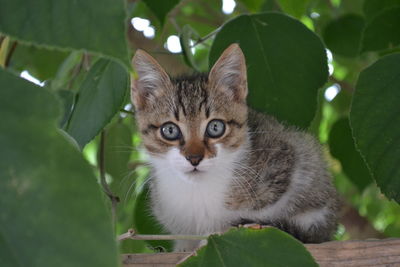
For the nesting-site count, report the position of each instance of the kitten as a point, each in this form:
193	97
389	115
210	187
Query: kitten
216	163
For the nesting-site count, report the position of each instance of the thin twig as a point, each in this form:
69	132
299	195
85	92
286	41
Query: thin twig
208	36
10	53
132	235
114	199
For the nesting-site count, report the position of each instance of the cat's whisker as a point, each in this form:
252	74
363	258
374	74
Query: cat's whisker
251	194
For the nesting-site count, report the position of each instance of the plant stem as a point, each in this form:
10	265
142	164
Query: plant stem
114	199
10	53
131	235
208	36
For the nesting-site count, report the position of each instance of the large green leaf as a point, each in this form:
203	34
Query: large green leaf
343	35
101	96
286	64
383	32
342	147
93	25
161	8
245	247
372	8
375	121
52	210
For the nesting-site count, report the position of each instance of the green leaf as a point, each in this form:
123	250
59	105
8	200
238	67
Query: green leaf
374	7
253	5
67	98
161	8
296	8
145	222
375	121
343	35
383	31
118	145
42	63
185	40
342	147
100	97
246	247
64	72
52	209
93	25
286	64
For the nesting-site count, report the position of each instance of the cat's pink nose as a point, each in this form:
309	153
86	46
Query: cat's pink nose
194	159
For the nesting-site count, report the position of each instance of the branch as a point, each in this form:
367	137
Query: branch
205	38
131	234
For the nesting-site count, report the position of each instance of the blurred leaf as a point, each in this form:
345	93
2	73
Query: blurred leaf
375	121
144	221
185	39
383	31
286	64
343	35
296	8
118	146
42	63
353	7
161	8
100	97
315	124
374	7
253	5
63	75
341	145
270	5
94	25
67	99
246	247
203	16
52	211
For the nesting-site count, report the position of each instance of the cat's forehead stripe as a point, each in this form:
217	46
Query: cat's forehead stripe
192	94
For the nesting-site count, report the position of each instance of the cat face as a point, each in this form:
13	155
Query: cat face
192	124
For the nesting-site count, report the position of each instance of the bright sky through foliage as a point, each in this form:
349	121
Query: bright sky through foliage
228	6
27	76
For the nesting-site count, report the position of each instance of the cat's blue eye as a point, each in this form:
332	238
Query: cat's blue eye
215	128
170	131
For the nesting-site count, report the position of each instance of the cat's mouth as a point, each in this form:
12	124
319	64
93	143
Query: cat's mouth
194	171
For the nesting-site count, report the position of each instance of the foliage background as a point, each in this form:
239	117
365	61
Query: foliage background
80	52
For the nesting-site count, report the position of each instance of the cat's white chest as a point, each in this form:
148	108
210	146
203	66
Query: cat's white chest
191	207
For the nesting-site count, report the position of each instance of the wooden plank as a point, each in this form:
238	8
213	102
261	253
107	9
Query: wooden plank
384	252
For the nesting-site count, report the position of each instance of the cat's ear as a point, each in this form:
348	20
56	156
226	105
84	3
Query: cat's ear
152	80
229	73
